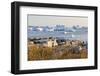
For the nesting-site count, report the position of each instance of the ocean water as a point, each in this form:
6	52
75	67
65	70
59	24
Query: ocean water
78	35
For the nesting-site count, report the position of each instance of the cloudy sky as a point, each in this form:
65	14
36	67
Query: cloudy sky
43	20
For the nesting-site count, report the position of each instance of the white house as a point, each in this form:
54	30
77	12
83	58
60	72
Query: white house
51	43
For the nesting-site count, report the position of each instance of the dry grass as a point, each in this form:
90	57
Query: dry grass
59	52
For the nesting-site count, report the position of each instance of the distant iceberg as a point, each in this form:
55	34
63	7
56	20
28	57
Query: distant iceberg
58	31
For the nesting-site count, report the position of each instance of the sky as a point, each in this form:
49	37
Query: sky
50	20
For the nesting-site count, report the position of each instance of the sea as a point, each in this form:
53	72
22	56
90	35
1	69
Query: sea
78	35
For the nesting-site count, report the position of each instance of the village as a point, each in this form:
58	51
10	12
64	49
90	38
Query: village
58	47
52	42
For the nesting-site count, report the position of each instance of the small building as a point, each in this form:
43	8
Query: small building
30	42
52	43
55	42
68	43
61	41
76	42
